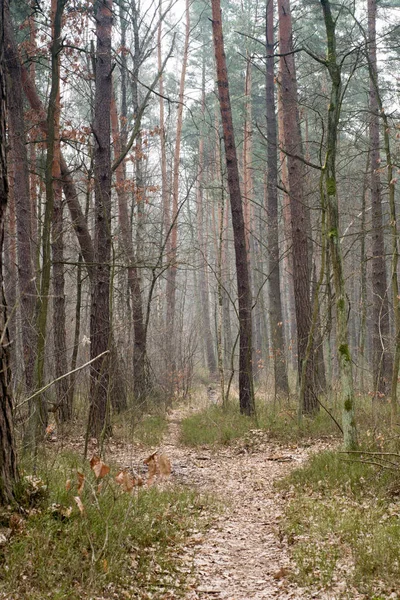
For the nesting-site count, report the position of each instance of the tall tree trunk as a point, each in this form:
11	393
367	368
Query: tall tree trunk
275	301
52	171
8	460
293	147
204	291
26	259
333	232
381	355
246	389
100	330
172	271
59	326
139	350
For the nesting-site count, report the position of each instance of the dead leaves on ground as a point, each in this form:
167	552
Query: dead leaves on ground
159	466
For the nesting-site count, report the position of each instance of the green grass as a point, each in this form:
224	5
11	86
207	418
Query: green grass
343	518
218	425
123	544
215	426
150	430
146	429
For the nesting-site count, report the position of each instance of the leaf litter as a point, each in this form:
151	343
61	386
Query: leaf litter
243	555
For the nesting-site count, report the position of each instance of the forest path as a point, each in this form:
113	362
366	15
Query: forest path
242	556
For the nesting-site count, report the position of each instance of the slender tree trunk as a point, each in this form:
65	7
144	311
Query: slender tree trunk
293	147
275	301
8	460
288	284
100	330
26	260
140	342
52	188
205	308
59	326
333	232
172	271
381	355
246	390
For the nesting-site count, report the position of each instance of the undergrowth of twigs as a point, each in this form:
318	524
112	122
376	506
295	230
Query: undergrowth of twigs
85	533
343	524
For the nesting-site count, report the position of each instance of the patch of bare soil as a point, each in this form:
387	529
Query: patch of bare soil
243	555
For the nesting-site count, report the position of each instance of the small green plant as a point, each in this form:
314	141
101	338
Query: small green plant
90	537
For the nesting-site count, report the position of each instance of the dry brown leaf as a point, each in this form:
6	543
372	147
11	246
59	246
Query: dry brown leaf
125	480
283	571
105	565
152	463
68	485
99	468
164	465
79	504
94	461
81	482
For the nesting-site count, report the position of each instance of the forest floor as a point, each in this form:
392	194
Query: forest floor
243	554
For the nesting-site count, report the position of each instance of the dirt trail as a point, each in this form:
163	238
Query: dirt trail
242	556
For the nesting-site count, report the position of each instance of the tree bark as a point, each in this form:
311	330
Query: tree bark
25	251
52	188
275	301
140	342
204	291
8	460
246	389
100	330
172	271
293	148
333	233
381	355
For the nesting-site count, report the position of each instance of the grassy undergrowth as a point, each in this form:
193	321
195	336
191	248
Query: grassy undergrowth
218	425
215	424
146	429
122	545
343	524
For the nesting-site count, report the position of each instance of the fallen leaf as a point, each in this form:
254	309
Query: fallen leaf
81	482
94	461
125	480
151	462
105	565
79	504
283	571
164	465
99	468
